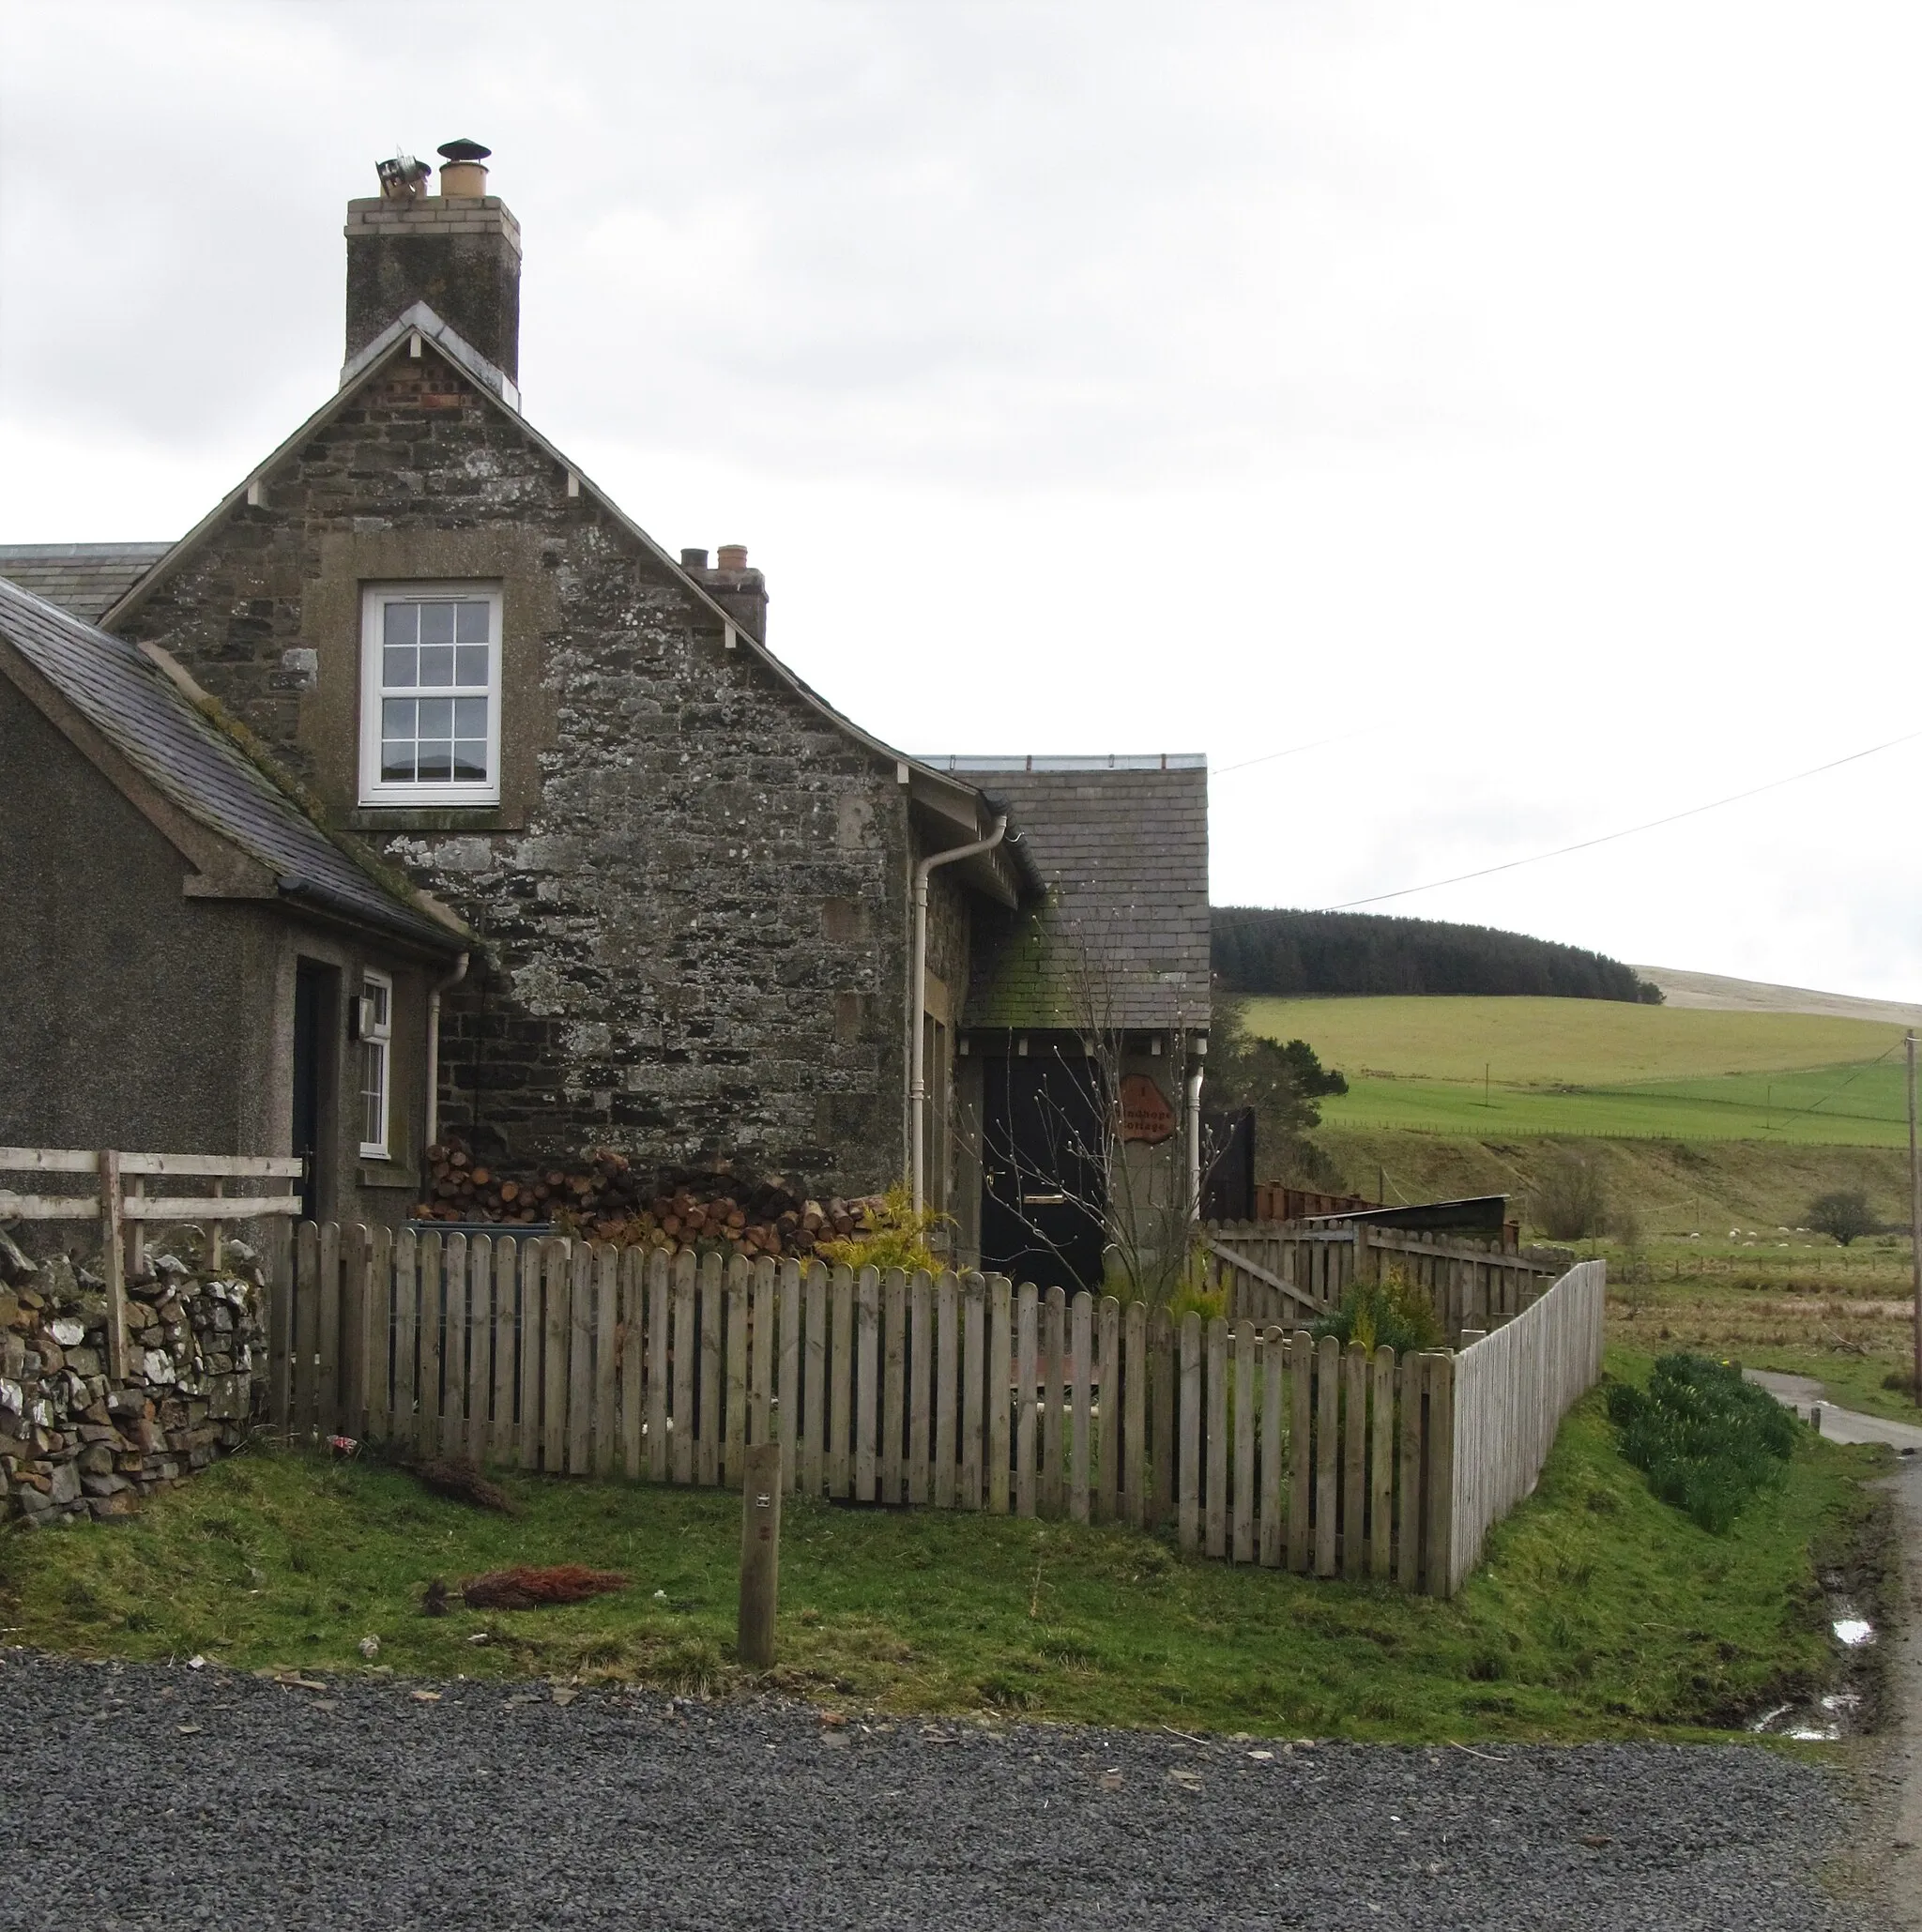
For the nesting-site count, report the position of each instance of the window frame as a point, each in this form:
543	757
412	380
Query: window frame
375	1037
373	789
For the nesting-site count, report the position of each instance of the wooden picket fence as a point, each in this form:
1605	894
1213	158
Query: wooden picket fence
1301	1270
1512	1388
953	1392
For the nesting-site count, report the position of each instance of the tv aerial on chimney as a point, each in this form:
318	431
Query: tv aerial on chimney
402	178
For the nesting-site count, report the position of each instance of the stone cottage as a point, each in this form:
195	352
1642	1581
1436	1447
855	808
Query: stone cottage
188	961
709	917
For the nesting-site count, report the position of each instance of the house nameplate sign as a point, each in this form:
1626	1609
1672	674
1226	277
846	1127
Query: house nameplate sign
1146	1114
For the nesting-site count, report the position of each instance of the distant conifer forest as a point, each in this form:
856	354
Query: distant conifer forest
1281	953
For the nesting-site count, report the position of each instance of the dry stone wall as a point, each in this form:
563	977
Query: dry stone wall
74	1441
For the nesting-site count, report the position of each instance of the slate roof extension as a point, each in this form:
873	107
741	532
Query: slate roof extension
1121	940
87	579
187	757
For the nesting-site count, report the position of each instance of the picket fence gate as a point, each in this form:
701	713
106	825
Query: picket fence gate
1306	1268
1257	1444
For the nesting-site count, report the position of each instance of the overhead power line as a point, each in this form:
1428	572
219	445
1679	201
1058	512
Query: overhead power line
1268	757
1627	831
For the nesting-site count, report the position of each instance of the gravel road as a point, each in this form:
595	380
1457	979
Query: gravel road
148	1796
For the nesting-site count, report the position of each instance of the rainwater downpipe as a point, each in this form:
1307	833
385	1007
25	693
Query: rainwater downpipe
452	979
917	1051
1194	1141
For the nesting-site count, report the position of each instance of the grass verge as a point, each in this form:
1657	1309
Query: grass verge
1600	1613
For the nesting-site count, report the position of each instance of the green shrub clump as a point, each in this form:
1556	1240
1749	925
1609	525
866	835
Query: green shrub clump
1393	1313
1709	1440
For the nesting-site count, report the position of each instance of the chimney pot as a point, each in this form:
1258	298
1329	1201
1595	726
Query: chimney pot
731	556
694	559
464	172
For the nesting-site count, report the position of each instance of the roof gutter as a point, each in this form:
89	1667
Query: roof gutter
917	1052
338	905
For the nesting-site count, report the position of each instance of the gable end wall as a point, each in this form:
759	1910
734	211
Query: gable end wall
692	900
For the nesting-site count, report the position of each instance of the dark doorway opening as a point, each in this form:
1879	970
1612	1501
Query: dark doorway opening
1227	1154
317	1000
1043	1185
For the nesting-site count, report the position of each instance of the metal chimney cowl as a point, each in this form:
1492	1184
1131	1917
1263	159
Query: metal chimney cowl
457	250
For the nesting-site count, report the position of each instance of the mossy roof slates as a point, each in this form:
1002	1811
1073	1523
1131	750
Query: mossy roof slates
1124	855
126	697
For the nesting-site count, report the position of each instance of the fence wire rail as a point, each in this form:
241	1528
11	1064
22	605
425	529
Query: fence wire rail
1255	1441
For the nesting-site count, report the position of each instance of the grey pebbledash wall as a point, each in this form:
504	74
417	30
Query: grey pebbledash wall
692	898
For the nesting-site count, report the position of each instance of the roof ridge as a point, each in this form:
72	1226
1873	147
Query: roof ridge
448	343
83	549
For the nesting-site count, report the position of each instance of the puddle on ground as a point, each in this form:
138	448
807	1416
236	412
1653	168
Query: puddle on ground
1836	1714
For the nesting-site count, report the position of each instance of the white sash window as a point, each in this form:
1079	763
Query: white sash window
377	1031
429	685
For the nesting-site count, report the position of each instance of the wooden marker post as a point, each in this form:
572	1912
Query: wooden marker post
1914	1223
760	1556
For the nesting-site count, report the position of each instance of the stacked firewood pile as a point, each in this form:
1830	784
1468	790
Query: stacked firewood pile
607	1200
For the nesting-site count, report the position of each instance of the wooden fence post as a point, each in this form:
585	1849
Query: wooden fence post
114	1261
867	1362
1382	1487
999	1372
1161	1375
1300	1436
708	1416
1107	1330
1054	1348
1027	1349
1215	1424
1243	1515
1272	1549
1082	1348
1327	1451
1190	1476
788	1372
920	1383
1440	1567
760	1556
893	1385
1135	1413
1354	1449
947	1384
973	1382
301	1341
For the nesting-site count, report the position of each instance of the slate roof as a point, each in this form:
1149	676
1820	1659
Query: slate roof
125	696
1122	844
87	579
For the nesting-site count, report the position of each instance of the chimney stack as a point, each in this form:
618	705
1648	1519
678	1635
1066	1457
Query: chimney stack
741	592
459	251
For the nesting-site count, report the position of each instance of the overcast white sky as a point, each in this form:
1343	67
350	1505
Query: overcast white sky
1524	396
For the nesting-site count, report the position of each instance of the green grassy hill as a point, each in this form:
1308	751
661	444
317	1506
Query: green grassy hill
1604	1069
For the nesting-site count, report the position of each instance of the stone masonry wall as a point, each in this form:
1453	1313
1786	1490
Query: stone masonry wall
75	1444
692	898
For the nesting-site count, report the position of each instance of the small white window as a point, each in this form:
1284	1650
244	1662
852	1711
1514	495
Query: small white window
377	1031
430	694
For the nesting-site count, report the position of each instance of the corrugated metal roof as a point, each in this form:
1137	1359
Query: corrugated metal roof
191	761
87	579
1123	940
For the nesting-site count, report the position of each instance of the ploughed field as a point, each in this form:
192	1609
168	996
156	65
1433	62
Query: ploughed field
1589	1067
